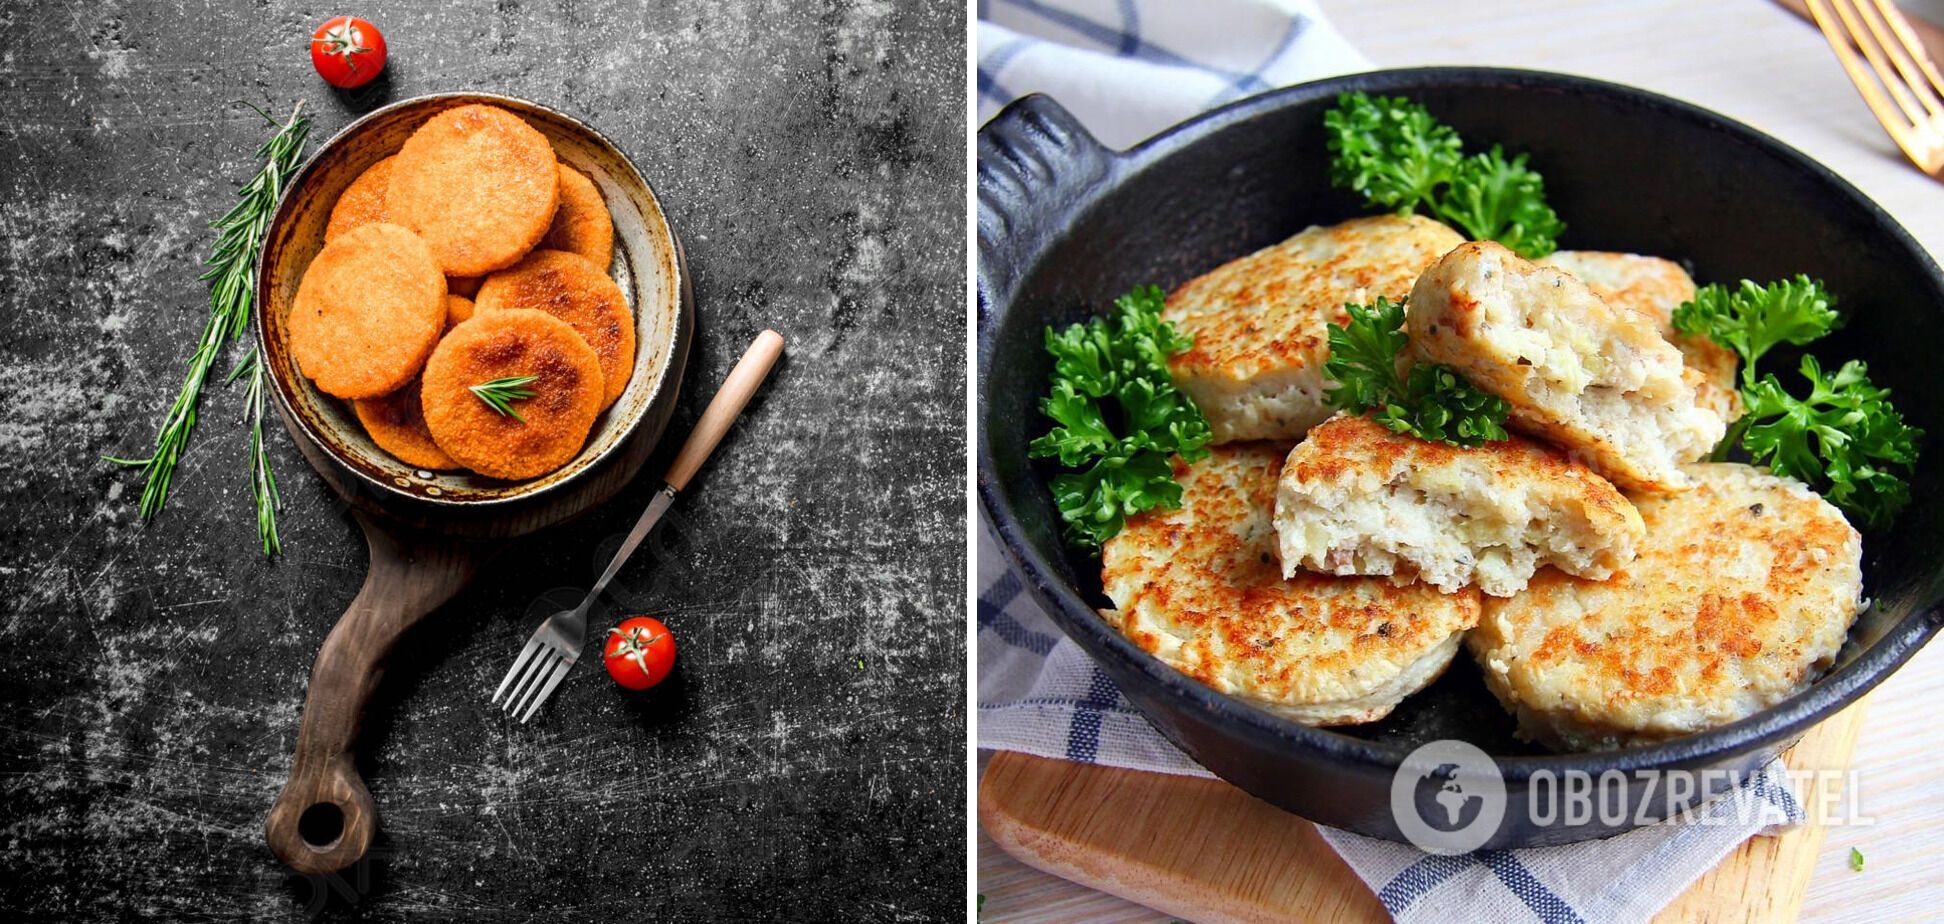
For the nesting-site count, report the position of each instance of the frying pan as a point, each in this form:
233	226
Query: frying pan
429	531
1065	224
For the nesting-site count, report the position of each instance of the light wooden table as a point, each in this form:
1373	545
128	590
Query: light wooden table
1754	62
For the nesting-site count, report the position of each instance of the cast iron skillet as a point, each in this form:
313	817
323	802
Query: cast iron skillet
1064	225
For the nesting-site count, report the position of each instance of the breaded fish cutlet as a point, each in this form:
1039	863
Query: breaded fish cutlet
582	224
479	184
1356	498
369	309
1199	588
1259	323
550	427
459	309
396	422
1592	378
1743	592
1655	287
571	288
363	202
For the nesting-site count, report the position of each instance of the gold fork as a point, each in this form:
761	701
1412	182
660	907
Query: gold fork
1894	73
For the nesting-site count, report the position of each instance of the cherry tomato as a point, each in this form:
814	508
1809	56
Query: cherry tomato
347	52
640	653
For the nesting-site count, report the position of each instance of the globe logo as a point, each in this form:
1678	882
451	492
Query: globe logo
1448	797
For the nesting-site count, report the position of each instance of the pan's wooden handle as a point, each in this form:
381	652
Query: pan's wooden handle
324	819
725	407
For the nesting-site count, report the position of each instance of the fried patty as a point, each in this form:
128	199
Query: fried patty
582	224
1200	588
1595	379
367	312
396	423
479	184
1656	287
363	202
571	288
1260	340
550	427
1356	498
459	309
1743	592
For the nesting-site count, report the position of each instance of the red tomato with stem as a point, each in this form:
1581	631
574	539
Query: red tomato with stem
640	653
347	52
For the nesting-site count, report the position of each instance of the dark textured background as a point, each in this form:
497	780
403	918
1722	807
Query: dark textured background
807	761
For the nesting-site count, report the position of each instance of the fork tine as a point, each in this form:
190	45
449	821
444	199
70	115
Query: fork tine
1865	41
1899	51
546	691
532	645
530	682
1911	43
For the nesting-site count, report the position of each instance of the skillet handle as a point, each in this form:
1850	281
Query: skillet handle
1035	161
324	820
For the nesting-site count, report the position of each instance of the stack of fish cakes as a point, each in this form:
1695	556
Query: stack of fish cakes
472	255
1623	593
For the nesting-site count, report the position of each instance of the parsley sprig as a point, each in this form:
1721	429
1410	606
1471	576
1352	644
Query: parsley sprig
1393	152
1118	417
1844	438
1431	402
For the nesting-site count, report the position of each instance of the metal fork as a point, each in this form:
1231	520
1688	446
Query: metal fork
556	645
1910	100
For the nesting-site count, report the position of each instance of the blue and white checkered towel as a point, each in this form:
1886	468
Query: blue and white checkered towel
1128	69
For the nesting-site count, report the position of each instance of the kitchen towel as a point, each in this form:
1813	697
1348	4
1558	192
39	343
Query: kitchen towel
1128	69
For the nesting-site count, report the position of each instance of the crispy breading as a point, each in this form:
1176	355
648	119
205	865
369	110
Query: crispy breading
571	288
509	344
479	184
582	224
363	202
1744	591
1258	322
1200	588
1656	287
458	310
1593	378
396	423
367	312
1356	498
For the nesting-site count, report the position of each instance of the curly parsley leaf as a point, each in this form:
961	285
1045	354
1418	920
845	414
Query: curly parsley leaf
1118	417
1751	319
1429	402
1396	155
1844	438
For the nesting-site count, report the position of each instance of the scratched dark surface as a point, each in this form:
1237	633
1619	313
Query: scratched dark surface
807	760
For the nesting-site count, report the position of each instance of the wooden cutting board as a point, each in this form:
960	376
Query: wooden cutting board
1203	850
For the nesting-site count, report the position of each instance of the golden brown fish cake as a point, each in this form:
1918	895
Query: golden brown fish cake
479	184
363	202
396	423
582	224
551	426
571	288
1260	322
459	310
1200	588
1656	287
369	309
1744	591
1356	498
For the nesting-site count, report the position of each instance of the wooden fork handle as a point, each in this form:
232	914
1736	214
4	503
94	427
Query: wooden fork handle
411	574
725	407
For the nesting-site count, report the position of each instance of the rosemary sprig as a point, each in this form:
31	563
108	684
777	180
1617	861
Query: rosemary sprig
499	394
230	271
263	481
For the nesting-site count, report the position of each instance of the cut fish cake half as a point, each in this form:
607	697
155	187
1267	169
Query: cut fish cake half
1356	498
1259	322
1199	588
1655	287
1743	593
1593	378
